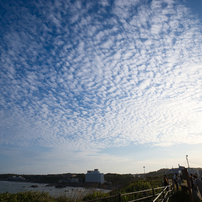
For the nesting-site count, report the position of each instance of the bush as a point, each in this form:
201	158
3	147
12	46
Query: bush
95	195
31	196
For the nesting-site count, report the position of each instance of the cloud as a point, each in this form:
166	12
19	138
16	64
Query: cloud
81	80
143	84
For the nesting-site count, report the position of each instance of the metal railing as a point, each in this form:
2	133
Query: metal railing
163	195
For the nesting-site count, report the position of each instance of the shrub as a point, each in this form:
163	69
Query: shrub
31	196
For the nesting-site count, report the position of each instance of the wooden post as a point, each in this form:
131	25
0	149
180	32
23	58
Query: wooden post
119	197
153	192
189	186
173	185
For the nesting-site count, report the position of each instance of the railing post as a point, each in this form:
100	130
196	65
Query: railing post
173	186
119	197
153	192
168	191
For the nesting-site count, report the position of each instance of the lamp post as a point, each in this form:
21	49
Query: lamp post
187	161
144	171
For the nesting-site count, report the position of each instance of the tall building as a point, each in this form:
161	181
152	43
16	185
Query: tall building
94	176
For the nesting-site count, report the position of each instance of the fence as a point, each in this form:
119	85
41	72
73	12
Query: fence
163	195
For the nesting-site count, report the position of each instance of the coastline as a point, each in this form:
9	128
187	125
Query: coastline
64	185
15	187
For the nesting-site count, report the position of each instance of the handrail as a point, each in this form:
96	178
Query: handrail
139	199
136	192
159	187
159	194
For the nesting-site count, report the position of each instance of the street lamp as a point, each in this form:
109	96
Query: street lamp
144	171
187	160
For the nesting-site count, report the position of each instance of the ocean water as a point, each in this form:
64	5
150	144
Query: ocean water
15	187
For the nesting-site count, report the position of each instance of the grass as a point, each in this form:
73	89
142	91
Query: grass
35	196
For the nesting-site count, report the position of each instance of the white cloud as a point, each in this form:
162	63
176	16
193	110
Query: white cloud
133	77
143	84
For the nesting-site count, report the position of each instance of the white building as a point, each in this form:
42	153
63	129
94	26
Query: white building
94	176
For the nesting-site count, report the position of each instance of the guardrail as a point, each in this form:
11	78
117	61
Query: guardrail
163	195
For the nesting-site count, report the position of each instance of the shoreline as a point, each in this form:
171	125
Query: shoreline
63	185
14	187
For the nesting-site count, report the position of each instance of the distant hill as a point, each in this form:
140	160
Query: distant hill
162	171
158	173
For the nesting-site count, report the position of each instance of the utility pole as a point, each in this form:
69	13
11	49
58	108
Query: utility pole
187	161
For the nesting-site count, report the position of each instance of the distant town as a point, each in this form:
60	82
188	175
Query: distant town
92	178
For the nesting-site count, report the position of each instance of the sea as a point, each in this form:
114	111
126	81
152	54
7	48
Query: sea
73	192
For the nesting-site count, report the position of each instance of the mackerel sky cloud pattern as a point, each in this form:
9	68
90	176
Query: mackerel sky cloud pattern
84	76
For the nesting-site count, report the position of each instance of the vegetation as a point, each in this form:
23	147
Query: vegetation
95	195
32	197
135	186
127	183
45	197
117	179
158	173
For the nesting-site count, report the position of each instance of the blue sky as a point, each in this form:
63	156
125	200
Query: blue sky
114	85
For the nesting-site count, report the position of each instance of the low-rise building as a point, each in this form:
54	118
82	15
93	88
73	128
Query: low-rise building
74	180
94	176
16	178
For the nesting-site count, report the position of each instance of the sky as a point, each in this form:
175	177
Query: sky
109	84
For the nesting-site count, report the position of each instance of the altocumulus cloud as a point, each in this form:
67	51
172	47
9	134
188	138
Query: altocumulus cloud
84	76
